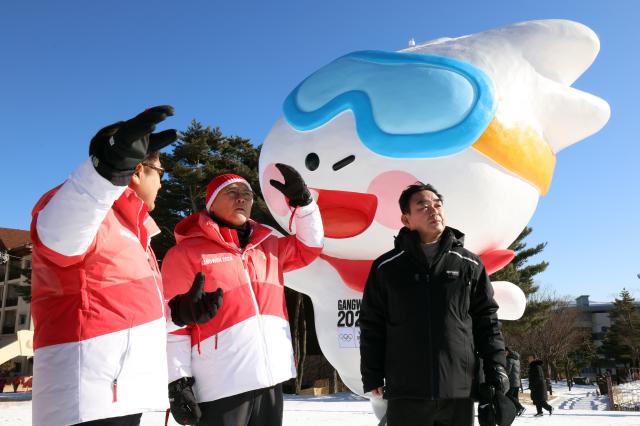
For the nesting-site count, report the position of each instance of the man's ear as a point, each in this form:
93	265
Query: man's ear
136	177
404	220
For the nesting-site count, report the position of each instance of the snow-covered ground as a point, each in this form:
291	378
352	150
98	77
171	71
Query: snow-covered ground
578	407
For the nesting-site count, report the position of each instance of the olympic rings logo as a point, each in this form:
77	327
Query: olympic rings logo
346	337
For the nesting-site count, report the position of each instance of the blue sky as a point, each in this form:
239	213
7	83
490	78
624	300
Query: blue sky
70	67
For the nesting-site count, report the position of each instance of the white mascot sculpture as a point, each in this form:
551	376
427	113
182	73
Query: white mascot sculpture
480	117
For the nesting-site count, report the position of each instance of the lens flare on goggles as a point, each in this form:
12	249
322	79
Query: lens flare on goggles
406	105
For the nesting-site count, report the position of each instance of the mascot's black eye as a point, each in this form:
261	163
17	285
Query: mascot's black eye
312	161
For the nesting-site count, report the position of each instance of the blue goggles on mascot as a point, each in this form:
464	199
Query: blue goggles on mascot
405	105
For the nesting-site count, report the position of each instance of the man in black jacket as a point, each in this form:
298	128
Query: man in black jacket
427	310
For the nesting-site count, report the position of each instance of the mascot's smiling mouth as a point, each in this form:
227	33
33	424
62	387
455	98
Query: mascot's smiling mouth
345	214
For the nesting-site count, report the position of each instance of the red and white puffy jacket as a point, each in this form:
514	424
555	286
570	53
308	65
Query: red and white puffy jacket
99	315
247	345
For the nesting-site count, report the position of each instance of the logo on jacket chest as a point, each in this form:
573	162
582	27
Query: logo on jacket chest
211	260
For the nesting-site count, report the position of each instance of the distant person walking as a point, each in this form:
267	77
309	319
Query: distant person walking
538	387
513	371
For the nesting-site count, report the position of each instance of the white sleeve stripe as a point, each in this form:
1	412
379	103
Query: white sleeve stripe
464	257
309	228
70	220
390	259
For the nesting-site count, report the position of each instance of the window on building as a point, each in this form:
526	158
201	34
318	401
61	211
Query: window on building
12	296
22	319
15	268
3	268
9	324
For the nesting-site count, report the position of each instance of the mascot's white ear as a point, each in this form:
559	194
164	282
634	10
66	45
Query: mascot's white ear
511	300
568	115
559	50
532	65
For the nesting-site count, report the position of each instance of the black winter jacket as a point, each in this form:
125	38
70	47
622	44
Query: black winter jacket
422	325
537	382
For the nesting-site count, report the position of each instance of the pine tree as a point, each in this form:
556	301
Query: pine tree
520	273
622	340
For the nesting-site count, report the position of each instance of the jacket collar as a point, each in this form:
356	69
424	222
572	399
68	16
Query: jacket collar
410	242
135	215
408	239
200	224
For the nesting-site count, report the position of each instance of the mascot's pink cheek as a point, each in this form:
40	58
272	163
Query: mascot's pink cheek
387	187
274	198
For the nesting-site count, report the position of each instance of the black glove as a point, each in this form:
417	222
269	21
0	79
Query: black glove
496	375
184	407
195	306
117	149
494	408
293	187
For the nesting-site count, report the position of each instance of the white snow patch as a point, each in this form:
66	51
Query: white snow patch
578	407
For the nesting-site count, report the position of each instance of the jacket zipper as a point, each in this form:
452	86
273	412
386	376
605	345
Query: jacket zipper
114	390
159	294
155	262
114	383
260	324
434	371
154	268
429	340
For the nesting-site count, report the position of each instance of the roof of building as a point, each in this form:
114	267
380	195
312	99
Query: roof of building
13	238
584	304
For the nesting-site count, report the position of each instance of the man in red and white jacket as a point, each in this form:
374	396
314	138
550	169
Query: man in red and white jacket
97	304
230	370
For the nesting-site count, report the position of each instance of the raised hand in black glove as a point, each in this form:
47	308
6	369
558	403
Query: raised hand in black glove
293	187
196	306
494	408
183	404
117	149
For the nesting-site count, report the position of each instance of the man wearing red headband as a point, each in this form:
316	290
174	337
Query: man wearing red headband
230	370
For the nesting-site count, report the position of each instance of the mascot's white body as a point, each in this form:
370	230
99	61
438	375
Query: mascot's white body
480	117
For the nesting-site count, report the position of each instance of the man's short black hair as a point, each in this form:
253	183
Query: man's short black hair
405	197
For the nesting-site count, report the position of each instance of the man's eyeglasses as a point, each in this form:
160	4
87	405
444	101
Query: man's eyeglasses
235	194
160	170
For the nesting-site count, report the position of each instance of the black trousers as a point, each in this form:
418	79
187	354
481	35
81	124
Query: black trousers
512	394
132	420
260	407
419	412
542	404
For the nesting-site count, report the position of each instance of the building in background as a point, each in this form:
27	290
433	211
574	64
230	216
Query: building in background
595	316
15	313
